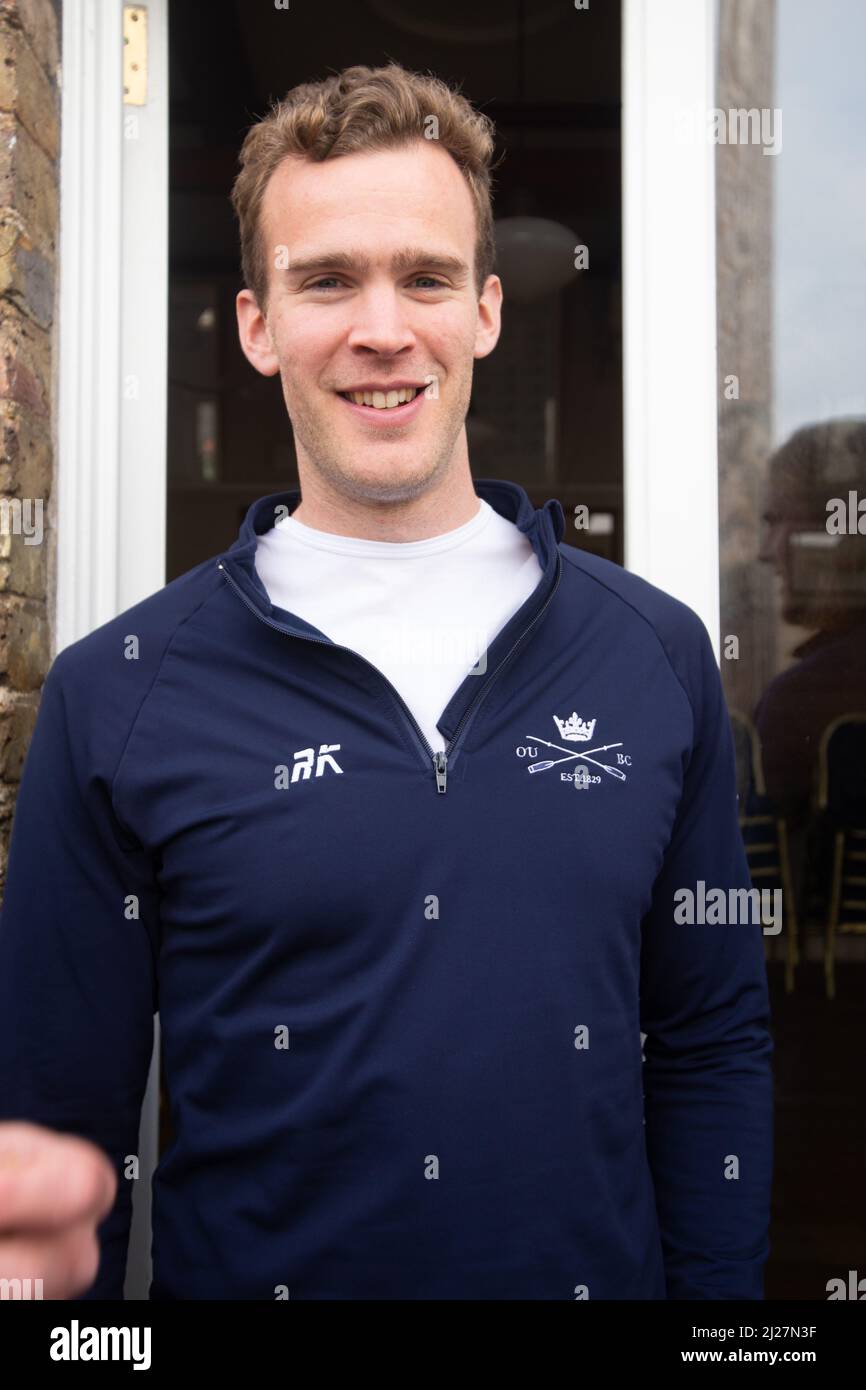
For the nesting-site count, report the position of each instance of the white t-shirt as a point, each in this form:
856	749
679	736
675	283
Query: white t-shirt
423	612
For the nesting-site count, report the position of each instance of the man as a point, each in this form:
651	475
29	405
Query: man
404	925
806	475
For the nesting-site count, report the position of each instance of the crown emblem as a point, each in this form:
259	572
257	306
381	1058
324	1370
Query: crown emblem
575	730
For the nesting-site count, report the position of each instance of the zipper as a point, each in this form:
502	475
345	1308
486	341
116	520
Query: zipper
440	757
442	763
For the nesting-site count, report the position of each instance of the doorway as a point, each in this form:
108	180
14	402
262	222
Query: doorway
546	408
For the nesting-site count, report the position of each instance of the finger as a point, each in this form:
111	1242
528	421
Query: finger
66	1262
50	1180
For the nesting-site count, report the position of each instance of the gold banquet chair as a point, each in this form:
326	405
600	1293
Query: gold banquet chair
842	802
765	836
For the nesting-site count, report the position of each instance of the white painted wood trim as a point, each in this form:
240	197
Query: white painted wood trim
112	329
669	302
88	419
144	328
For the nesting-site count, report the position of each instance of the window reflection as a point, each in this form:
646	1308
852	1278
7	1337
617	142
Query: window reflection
811	719
792	514
793	467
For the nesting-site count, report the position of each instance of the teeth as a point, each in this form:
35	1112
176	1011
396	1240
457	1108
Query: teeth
382	400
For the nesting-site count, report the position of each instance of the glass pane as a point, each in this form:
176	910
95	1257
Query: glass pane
791	176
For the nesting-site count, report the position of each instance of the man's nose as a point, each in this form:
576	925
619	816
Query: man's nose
380	321
766	550
774	540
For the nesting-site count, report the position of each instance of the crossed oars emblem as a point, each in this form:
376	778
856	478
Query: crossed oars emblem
602	748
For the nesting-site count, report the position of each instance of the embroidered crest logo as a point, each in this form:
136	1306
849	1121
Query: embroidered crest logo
583	774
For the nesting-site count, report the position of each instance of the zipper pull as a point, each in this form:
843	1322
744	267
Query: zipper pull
440	763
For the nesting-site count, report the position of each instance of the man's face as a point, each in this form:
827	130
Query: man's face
372	285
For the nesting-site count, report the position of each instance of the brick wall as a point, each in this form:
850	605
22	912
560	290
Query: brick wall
29	200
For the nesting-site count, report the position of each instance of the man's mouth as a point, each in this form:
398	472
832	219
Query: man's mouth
383	400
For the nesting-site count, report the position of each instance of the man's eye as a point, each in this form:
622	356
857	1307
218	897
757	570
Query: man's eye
331	281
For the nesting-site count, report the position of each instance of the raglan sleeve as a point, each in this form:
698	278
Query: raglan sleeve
707	1072
77	958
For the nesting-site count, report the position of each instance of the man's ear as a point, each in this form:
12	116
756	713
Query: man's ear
254	334
489	323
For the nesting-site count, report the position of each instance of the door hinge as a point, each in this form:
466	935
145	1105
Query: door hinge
134	55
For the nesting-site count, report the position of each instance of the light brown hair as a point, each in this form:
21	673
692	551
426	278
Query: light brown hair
362	108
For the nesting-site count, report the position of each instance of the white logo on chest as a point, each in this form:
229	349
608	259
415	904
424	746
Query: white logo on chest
576	730
302	769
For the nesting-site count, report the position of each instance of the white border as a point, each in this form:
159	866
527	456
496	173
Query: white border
669	303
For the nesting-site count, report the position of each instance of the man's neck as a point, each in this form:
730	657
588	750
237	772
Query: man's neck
440	509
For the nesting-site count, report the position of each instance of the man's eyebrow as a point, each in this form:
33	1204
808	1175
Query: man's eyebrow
402	261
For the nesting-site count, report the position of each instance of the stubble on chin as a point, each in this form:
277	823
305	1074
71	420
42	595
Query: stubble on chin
328	458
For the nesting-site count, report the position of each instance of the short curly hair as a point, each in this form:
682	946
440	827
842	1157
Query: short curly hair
363	108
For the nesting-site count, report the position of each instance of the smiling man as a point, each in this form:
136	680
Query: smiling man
373	325
386	809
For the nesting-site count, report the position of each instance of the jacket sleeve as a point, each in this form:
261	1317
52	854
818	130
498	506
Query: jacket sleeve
77	955
708	1088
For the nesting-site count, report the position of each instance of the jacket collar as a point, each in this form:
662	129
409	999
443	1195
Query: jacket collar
544	526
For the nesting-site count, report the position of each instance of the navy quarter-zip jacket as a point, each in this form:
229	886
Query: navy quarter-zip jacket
401	997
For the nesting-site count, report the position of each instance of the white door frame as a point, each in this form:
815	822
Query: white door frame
669	301
112	322
111	375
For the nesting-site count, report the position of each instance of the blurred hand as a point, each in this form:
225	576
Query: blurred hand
55	1189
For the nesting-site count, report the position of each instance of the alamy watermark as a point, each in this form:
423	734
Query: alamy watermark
20	1289
739	125
853	1288
17	518
77	1343
729	907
